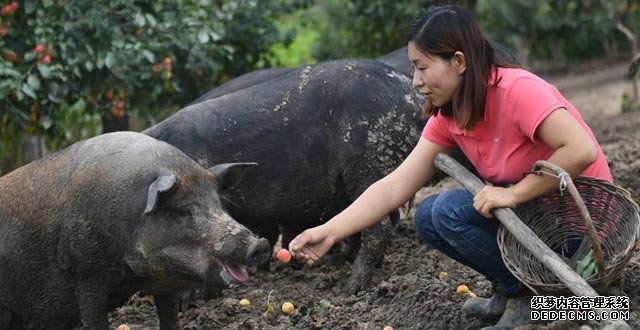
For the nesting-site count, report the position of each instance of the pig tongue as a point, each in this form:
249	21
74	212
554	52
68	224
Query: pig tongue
238	272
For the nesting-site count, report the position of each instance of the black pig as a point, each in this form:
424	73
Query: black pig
322	134
86	227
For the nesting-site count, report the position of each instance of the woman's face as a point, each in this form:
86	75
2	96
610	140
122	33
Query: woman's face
435	77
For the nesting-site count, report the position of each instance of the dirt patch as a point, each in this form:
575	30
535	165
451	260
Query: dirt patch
406	291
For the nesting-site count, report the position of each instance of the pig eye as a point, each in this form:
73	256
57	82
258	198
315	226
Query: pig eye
182	211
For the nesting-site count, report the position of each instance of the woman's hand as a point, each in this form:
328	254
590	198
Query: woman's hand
312	244
491	197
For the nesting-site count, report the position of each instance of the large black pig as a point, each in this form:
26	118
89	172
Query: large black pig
86	227
322	134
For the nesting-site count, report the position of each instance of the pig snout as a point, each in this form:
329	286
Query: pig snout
258	253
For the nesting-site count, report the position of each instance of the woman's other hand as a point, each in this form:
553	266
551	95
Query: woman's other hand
491	197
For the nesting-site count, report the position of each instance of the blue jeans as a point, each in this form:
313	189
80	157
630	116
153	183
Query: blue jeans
451	224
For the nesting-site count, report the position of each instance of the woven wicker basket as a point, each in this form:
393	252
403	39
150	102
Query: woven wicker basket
561	220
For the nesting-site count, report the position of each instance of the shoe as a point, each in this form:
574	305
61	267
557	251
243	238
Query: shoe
516	313
485	308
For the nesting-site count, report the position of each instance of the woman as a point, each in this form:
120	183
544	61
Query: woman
503	119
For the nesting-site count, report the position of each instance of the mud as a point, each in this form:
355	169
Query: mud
406	291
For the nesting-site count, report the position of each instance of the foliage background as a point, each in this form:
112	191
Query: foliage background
125	64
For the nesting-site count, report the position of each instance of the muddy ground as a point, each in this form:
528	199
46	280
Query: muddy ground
406	291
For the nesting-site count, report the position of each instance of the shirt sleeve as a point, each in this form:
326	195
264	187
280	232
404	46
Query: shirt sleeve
532	101
436	131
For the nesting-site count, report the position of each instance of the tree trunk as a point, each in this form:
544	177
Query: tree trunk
633	42
34	147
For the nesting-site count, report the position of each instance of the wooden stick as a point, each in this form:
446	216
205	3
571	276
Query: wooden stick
521	232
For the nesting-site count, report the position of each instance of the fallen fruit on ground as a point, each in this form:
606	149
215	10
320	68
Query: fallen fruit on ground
470	294
462	289
387	327
122	327
244	302
443	275
287	308
284	256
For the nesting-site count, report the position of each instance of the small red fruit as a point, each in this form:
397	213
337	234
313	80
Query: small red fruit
118	108
4	29
168	64
156	68
38	49
6	10
46	59
9	8
284	256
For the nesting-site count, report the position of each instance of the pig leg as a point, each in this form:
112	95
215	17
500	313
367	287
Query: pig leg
167	308
8	320
93	302
5	318
370	254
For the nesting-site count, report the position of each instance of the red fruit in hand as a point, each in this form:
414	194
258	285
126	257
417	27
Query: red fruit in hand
284	256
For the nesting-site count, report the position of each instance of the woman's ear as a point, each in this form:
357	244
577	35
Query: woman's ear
459	62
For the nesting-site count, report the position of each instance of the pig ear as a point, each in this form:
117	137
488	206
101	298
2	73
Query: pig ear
229	174
162	184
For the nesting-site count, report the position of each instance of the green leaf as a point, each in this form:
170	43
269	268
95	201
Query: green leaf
45	70
5	89
54	98
215	36
67	26
9	72
89	49
47	3
33	82
582	264
88	65
109	61
29	56
151	20
139	20
203	37
149	56
80	105
28	91
29	6
591	268
118	44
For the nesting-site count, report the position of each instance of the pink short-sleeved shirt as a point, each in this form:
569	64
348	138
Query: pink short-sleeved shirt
503	146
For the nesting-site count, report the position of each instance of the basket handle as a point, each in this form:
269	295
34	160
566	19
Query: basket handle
565	179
